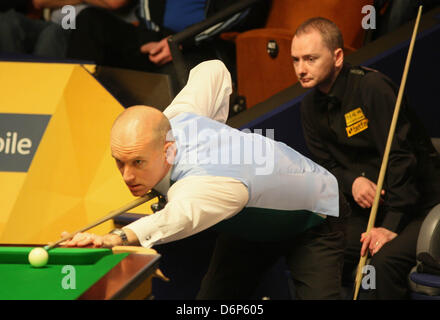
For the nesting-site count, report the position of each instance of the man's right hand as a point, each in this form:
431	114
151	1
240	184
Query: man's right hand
363	191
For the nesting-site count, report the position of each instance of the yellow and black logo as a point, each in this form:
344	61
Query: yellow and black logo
355	121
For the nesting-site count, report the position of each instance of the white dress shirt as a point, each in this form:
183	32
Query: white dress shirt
195	203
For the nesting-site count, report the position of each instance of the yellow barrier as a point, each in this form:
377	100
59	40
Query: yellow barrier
70	179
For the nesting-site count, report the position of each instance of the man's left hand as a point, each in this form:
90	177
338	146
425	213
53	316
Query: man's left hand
375	240
92	240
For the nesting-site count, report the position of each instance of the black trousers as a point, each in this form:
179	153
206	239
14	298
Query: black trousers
392	263
315	260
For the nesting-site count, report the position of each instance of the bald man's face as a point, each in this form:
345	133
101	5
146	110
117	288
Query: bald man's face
141	162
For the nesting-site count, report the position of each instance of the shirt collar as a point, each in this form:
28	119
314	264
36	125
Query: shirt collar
336	92
338	89
164	185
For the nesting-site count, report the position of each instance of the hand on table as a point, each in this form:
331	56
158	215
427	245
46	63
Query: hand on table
375	240
158	52
92	240
363	191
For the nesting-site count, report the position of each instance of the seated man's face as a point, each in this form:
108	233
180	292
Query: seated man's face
313	61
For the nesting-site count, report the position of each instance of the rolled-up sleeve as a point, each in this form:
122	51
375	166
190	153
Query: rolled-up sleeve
206	92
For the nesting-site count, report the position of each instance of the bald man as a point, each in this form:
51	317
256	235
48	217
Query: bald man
139	131
265	199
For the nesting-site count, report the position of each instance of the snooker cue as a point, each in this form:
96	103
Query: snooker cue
384	164
133	204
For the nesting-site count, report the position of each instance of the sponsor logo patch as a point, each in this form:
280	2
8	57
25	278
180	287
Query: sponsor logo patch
355	121
354	116
357	127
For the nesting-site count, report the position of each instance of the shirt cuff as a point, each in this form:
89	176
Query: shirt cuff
393	221
145	231
347	179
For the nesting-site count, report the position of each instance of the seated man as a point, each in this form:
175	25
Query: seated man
346	119
264	198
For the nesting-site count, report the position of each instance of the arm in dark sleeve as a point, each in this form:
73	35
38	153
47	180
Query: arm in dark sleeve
321	154
401	192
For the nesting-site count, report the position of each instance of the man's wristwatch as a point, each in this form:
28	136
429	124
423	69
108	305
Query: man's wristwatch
121	234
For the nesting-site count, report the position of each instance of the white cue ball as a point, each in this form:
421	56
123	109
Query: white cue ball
38	257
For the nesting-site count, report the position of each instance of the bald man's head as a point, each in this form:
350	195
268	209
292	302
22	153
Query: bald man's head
139	146
141	123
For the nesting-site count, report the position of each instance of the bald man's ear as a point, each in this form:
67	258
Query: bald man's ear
170	151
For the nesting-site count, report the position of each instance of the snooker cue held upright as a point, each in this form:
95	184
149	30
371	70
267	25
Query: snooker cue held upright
383	167
133	204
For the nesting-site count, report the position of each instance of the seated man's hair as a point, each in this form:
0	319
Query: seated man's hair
329	31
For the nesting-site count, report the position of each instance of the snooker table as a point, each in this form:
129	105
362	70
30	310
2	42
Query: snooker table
77	273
